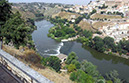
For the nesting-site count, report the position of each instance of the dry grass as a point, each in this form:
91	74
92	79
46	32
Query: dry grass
51	11
54	76
28	55
65	15
100	24
12	50
85	25
100	16
25	15
48	73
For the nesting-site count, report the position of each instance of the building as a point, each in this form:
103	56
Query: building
62	57
110	2
117	31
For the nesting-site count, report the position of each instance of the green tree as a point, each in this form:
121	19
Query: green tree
109	13
127	45
89	68
97	39
109	81
87	34
62	29
71	68
93	11
81	77
103	7
76	63
72	56
113	76
114	47
15	31
109	42
84	41
53	62
59	33
77	20
99	44
5	11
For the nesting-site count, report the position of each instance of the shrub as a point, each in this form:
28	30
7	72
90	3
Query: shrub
71	68
53	62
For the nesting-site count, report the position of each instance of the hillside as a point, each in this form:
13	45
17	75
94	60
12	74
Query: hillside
66	15
47	72
101	16
85	25
37	10
24	14
99	24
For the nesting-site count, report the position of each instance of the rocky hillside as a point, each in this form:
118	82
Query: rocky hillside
37	10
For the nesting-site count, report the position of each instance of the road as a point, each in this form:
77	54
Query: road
7	77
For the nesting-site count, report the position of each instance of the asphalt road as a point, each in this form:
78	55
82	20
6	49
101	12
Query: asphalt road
7	77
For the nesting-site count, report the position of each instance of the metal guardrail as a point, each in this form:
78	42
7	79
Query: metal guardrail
11	74
24	71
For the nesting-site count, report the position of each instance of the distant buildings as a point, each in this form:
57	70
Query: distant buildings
119	29
116	31
117	2
113	6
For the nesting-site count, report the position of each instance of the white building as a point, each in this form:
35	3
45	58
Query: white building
117	31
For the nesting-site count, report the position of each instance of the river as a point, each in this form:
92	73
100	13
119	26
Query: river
105	63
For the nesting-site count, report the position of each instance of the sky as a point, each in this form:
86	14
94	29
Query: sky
79	2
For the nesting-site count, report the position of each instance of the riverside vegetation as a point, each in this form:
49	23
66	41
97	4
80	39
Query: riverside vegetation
107	44
86	72
63	30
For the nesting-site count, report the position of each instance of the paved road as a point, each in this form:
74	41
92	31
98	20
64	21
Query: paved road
6	77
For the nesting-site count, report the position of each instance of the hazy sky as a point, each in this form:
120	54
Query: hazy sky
79	2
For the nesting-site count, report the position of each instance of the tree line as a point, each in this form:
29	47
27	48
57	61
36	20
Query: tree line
106	44
86	72
81	72
14	29
61	30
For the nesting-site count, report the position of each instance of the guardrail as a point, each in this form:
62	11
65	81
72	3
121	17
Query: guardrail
19	69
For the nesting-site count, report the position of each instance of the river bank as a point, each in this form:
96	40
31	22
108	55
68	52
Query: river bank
70	39
117	54
106	52
63	31
47	47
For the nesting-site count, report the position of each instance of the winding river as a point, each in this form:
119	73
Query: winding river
105	63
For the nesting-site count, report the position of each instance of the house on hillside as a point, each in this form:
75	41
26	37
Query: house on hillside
116	31
62	57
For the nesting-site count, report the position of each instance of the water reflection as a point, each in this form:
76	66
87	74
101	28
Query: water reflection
105	63
101	56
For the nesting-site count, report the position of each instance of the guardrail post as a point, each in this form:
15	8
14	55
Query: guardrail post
1	45
31	80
